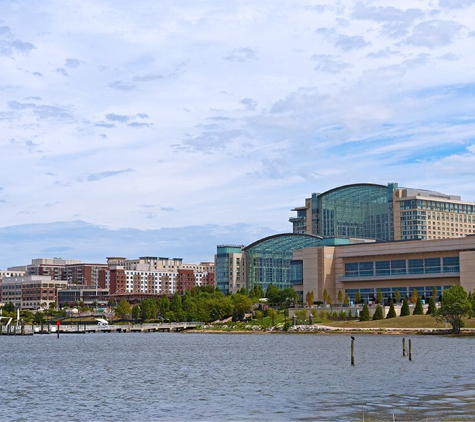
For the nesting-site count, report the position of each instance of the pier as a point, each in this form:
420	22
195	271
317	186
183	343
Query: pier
85	328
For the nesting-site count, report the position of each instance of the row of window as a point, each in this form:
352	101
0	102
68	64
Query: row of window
403	267
390	292
437	206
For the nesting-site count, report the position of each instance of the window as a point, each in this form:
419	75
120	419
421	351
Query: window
398	267
416	266
366	269
431	265
450	264
351	269
383	268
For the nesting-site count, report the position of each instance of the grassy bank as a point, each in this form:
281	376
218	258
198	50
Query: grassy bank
411	321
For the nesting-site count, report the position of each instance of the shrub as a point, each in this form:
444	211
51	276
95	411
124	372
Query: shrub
392	311
378	313
364	314
405	308
418	309
431	309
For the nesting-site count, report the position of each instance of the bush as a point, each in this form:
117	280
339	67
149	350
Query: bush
405	308
378	313
364	314
392	311
418	309
432	308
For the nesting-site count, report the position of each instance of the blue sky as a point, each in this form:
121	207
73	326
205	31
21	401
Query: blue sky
165	128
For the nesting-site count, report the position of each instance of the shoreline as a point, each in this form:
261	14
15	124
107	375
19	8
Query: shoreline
336	330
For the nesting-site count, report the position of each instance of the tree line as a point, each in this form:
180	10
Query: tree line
201	304
455	304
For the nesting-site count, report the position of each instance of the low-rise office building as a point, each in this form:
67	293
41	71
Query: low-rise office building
386	267
31	291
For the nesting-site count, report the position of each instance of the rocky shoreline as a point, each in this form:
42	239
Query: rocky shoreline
324	329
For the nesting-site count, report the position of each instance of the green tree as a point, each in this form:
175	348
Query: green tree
272	313
256	292
176	305
378	313
310	297
273	294
163	305
329	300
434	293
259	315
242	291
39	318
418	309
454	306
9	307
123	309
392	311
358	297
364	314
288	295
432	308
190	307
379	296
340	297
148	309
242	305
346	301
397	296
405	308
136	312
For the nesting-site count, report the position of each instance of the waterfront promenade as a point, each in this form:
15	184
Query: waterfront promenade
85	328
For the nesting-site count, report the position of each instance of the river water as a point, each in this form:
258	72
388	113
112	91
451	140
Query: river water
227	377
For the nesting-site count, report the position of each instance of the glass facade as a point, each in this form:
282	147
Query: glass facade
269	259
223	269
354	211
416	266
389	293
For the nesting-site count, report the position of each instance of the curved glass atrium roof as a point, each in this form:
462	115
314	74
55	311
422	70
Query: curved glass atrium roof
282	243
360	210
268	259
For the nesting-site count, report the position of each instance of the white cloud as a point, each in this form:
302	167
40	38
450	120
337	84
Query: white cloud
433	33
222	113
456	4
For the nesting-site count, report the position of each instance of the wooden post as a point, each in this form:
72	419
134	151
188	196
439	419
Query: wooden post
403	346
352	352
410	351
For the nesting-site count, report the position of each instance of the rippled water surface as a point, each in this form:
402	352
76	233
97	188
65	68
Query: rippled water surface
218	377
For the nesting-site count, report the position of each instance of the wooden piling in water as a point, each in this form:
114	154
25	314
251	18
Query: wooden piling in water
404	346
410	351
352	352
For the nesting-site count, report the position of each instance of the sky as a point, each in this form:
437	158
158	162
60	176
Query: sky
165	128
